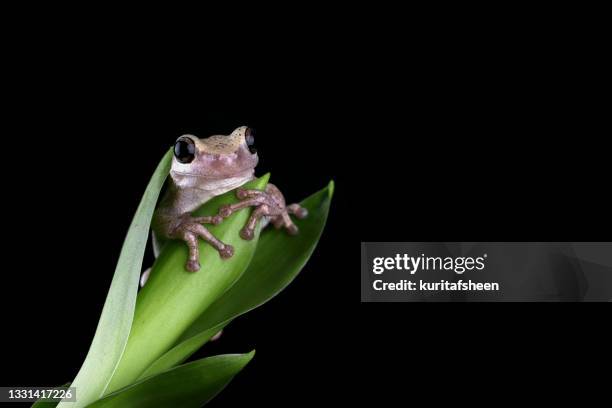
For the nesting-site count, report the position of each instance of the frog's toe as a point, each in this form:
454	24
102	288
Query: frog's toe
292	229
225	211
241	194
247	234
192	265
227	251
297	210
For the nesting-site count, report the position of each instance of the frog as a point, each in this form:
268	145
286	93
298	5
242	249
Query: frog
203	168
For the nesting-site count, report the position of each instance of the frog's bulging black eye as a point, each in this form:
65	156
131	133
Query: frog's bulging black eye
249	136
184	149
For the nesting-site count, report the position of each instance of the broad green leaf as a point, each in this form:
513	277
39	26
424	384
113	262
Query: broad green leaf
189	385
113	329
173	297
177	355
277	261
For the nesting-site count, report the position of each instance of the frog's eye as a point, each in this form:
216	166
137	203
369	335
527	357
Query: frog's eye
249	137
184	149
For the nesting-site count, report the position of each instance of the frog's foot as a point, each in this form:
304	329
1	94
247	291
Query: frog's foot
190	229
283	220
269	203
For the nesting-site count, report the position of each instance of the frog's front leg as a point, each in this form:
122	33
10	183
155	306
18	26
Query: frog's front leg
188	228
269	203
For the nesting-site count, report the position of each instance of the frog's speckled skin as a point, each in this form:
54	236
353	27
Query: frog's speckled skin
220	164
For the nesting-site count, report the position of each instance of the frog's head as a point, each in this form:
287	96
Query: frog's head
214	158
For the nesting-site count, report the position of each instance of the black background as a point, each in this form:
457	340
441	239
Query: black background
453	145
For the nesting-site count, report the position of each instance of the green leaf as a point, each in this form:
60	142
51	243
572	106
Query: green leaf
189	385
177	355
44	404
277	261
113	329
173	297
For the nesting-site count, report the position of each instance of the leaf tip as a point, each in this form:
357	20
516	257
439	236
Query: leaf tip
265	177
244	359
330	188
247	357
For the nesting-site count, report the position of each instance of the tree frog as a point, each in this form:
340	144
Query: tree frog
204	168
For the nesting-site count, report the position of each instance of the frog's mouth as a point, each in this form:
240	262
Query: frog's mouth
215	177
210	182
